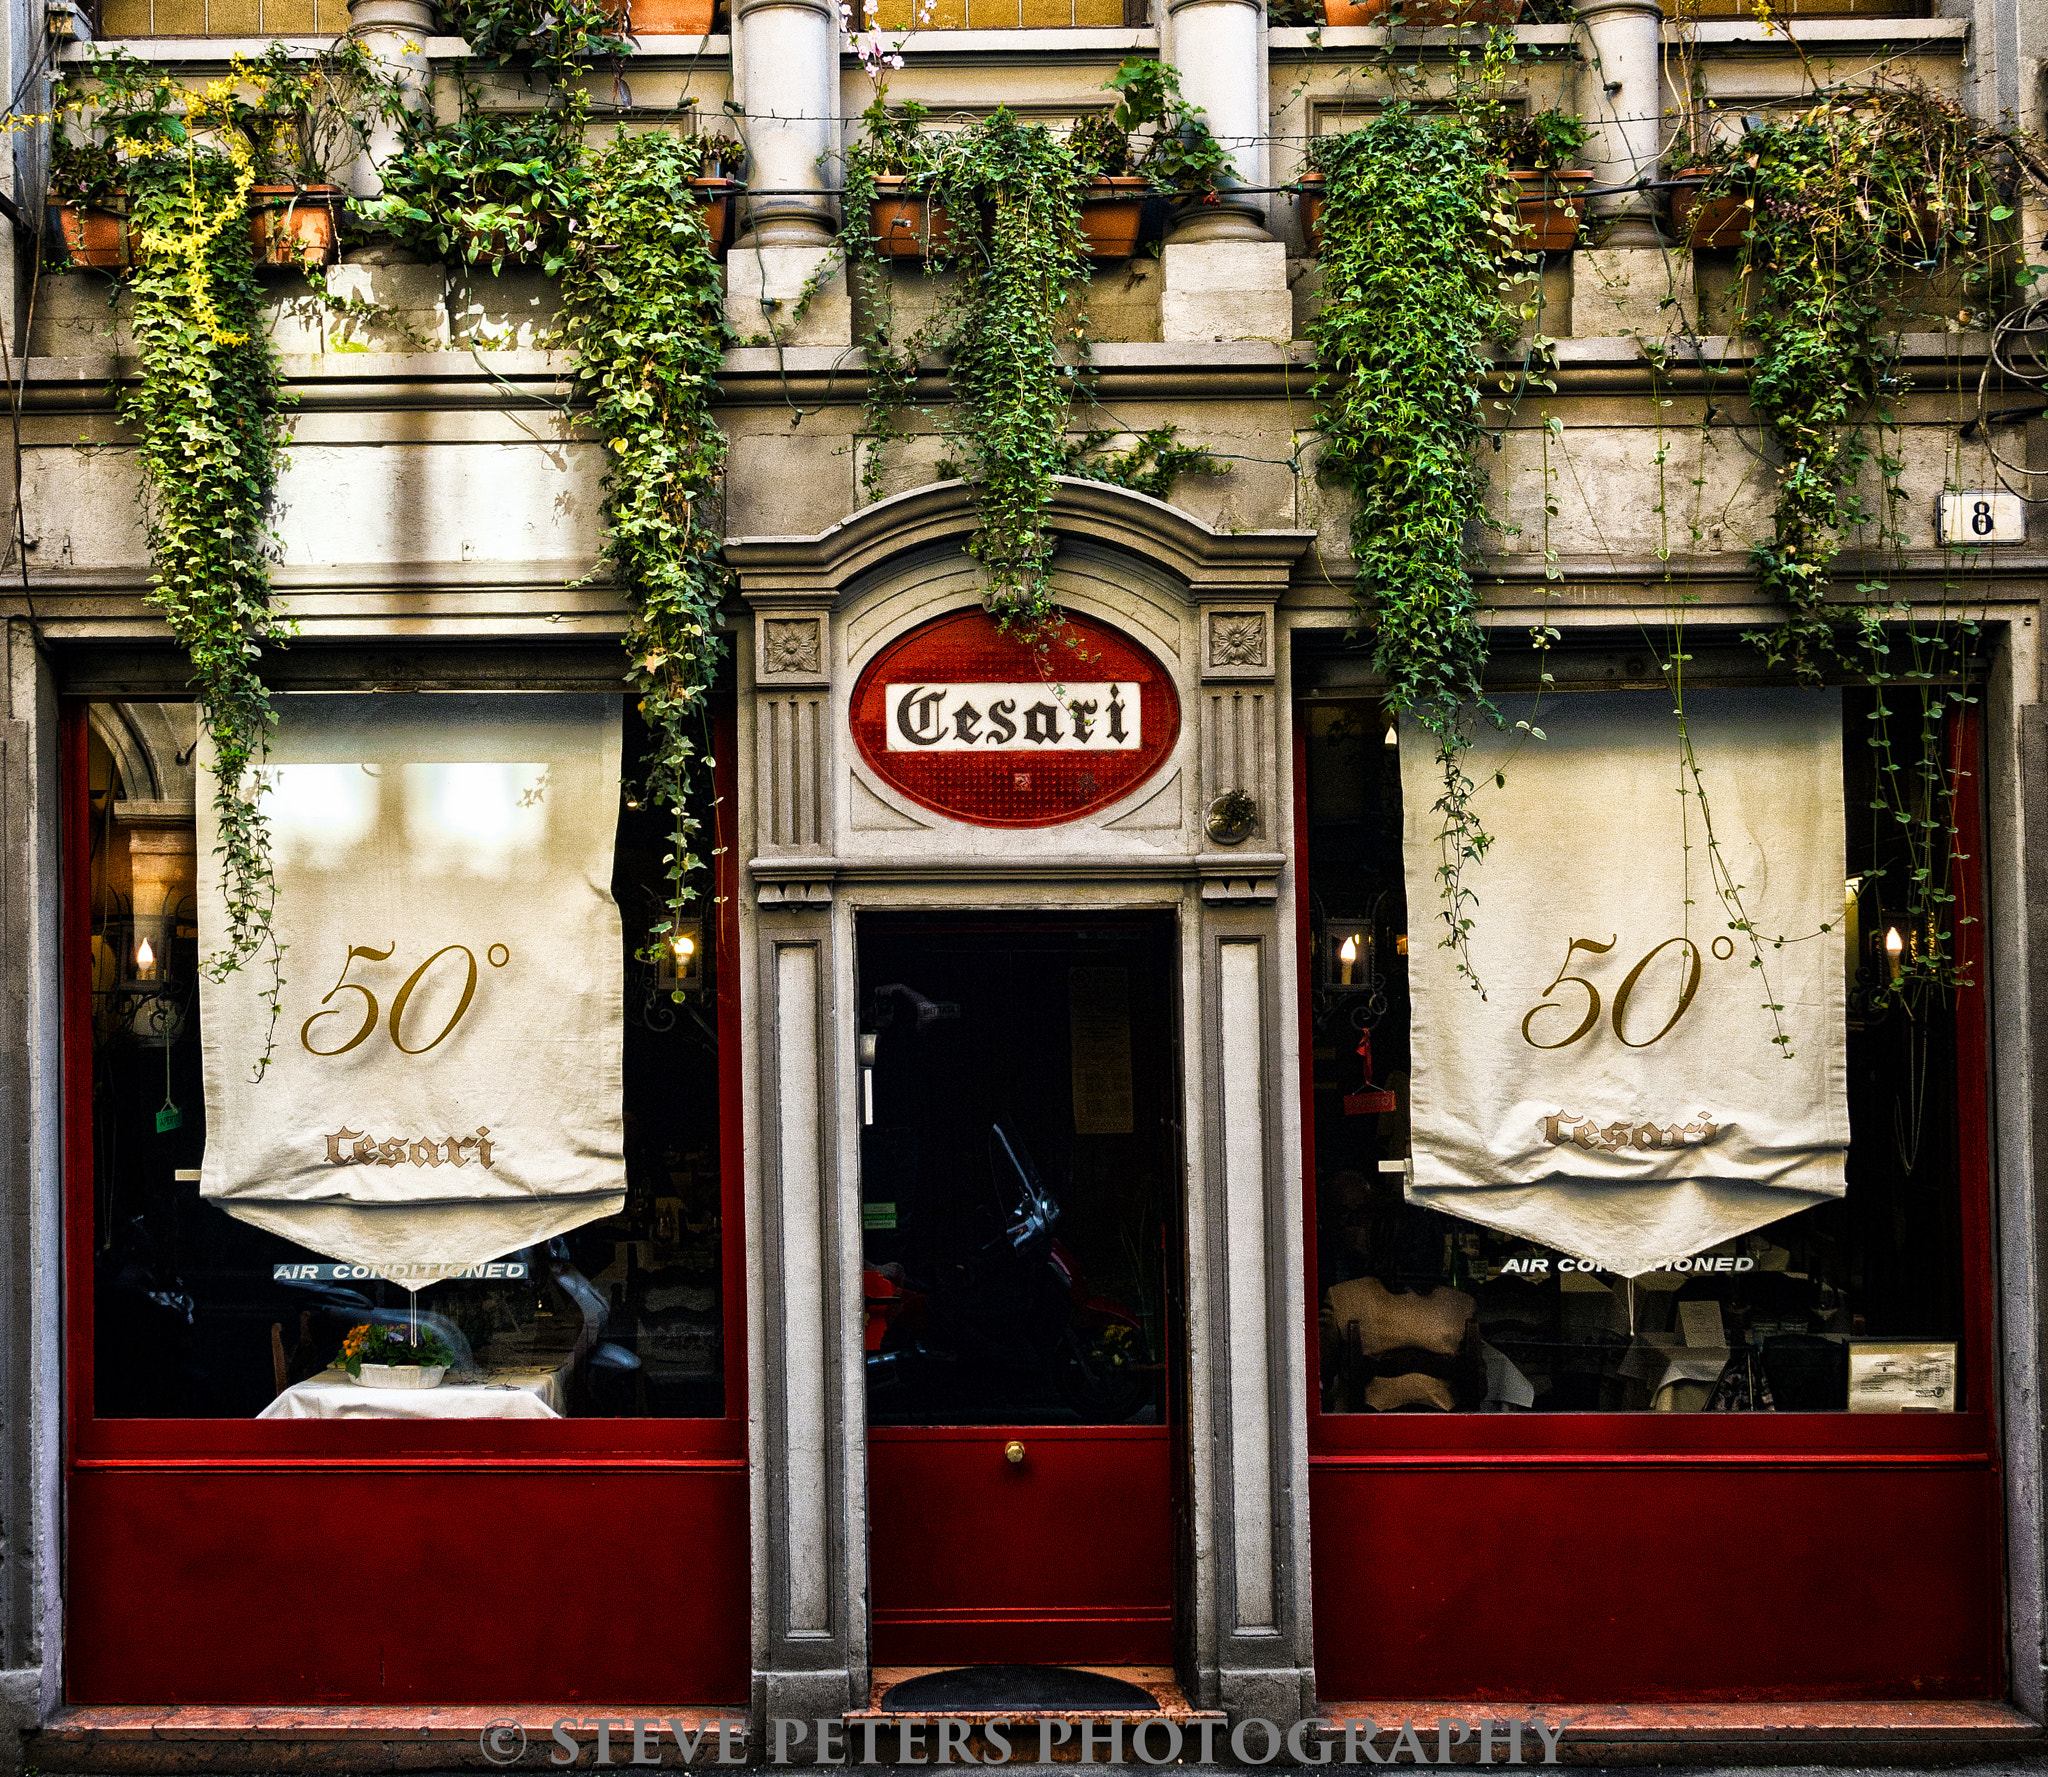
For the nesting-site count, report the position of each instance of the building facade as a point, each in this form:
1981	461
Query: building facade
1026	1224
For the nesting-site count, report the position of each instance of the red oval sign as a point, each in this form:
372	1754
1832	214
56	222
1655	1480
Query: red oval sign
972	723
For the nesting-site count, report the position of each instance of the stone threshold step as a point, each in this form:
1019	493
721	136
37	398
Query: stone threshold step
1806	1722
370	1738
1169	1701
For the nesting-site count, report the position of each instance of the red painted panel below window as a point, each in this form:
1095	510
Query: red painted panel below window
1599	1584
407	1586
1066	1557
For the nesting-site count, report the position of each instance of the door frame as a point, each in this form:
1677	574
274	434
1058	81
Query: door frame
1147	1638
821	834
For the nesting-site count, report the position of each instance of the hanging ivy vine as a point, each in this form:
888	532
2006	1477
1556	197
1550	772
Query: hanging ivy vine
1857	199
206	411
643	310
1416	232
1002	206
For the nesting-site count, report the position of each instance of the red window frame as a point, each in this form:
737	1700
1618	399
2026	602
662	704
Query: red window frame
91	1441
1970	1434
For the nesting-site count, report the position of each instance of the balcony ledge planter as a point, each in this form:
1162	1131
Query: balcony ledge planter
1113	214
671	18
1719	221
294	225
1550	210
94	239
717	195
1422	14
1310	191
907	226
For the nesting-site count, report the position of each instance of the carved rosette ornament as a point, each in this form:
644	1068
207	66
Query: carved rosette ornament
792	647
1237	645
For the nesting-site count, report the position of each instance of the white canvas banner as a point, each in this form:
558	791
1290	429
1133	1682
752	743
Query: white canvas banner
446	1083
1620	1093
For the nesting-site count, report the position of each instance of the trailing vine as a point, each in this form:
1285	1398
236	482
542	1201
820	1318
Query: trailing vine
1416	233
1856	198
206	410
643	306
1001	201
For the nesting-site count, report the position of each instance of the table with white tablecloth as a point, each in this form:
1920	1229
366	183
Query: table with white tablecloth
528	1393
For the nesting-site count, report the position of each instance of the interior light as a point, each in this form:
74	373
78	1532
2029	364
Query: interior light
1393	739
685	944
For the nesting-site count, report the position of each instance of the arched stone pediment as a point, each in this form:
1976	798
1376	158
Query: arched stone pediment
1208	564
1198	601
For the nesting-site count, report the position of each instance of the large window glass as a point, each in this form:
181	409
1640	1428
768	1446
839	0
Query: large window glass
1852	1304
200	1313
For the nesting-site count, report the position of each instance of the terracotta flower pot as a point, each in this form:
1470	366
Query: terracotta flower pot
1550	210
717	196
293	226
94	239
1421	14
907	227
671	18
1310	190
1113	213
1719	221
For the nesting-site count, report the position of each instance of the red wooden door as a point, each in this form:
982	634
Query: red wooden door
1020	1187
1065	1557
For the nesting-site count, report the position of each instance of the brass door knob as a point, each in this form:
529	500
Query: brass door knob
1013	1451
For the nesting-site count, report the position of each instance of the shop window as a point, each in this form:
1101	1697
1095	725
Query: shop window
1851	1303
614	1305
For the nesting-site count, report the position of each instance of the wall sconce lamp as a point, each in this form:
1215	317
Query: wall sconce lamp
679	967
1349	955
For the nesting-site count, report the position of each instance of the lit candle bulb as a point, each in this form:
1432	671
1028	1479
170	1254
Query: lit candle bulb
685	944
1347	954
1393	739
1894	945
145	961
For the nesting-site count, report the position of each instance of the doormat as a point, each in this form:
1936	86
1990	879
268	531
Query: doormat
1029	1690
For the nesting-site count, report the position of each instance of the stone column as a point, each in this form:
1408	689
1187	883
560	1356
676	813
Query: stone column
412	298
786	63
394	33
1618	286
1225	275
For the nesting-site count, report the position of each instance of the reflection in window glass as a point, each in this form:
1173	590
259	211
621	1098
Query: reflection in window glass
1854	1304
200	1315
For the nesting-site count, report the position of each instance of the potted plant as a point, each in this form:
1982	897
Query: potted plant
1310	190
902	220
671	18
1113	205
384	1357
485	188
88	208
1536	149
717	187
306	124
1181	159
1421	14
1709	215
